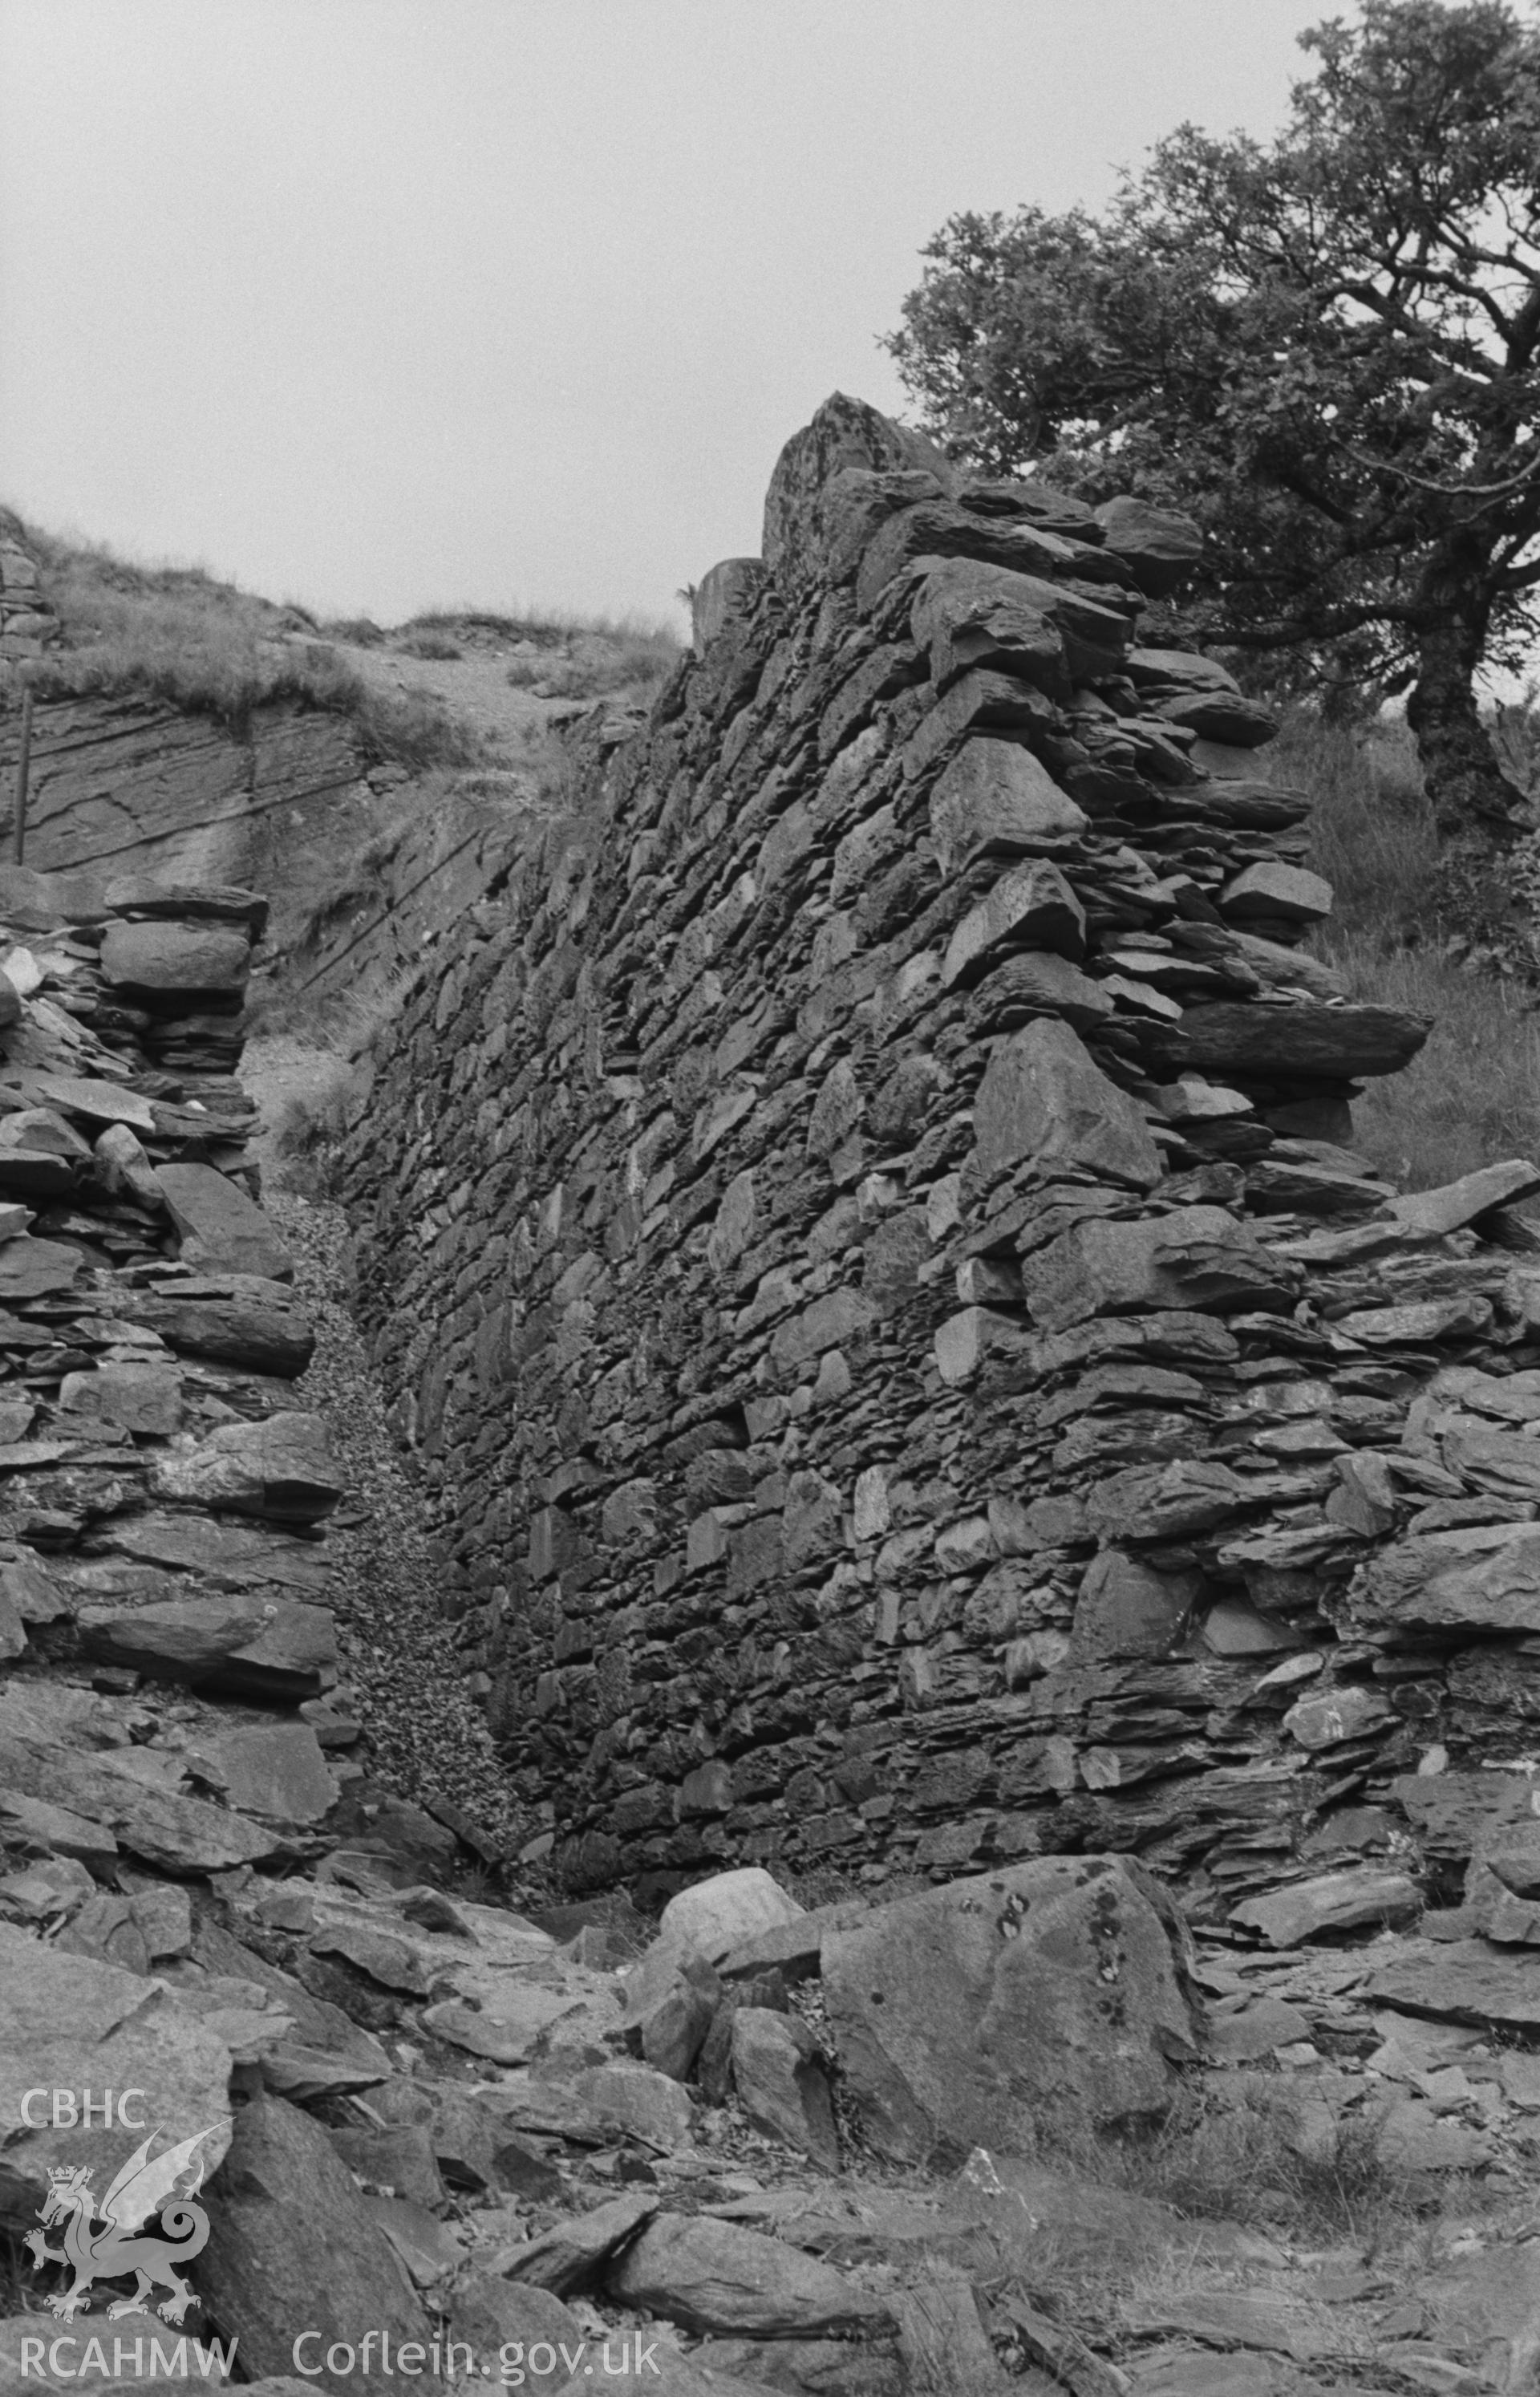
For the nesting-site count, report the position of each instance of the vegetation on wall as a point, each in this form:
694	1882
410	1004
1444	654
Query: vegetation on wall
1472	1095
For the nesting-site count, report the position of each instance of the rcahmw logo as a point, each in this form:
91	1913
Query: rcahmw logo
107	2238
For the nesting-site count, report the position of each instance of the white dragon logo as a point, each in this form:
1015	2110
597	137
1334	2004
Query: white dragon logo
140	2189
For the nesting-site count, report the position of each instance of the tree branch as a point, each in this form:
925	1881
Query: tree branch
1527	476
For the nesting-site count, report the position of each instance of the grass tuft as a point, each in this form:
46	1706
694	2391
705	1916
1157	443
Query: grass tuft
1237	2152
593	662
176	634
425	642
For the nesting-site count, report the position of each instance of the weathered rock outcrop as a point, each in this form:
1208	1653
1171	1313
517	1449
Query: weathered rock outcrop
126	785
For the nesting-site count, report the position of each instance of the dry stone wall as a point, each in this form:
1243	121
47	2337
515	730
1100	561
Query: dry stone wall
161	1493
28	623
862	1231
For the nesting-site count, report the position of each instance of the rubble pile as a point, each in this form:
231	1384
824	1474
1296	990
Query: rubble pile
734	2152
161	1495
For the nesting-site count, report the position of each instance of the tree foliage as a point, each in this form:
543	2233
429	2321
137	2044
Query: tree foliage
1326	347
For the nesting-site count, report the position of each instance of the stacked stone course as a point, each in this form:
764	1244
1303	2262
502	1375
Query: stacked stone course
27	619
861	1234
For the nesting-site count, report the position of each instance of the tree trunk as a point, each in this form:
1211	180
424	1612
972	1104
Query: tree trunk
1468	787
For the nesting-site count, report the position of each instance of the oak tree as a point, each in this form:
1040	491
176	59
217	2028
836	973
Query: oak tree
1325	346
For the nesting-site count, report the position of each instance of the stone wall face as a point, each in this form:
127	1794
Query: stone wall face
858	1235
27	619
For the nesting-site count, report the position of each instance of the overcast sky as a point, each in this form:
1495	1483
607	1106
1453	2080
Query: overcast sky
383	303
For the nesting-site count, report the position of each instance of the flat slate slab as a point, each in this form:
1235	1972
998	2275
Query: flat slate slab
214	903
99	1103
226	1556
242	1647
139	1398
218	1225
169	965
275	1770
1332	1043
1466	1981
280	1467
246	1320
1339	1901
717	2276
176	1834
31	1268
1445	1210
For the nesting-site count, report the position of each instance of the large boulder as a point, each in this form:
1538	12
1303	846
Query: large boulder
489	2314
293	2248
1024	526
41	1156
823	484
720	1914
174	968
1434	1212
1340	1901
1463	1981
1043	2001
1221	715
568	2254
1126	1608
1279	893
220	1226
717	2276
280	1467
70	2023
99	1103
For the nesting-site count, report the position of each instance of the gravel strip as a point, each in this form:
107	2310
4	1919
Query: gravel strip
427	1738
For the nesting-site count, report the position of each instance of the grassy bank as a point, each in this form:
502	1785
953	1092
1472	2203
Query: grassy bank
178	635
